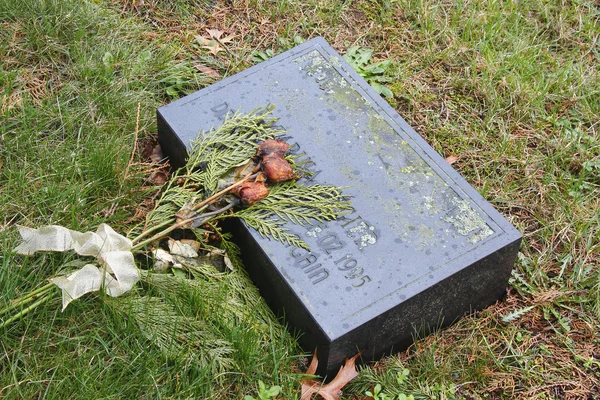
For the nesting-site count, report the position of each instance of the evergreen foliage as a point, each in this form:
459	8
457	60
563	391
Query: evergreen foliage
185	314
214	157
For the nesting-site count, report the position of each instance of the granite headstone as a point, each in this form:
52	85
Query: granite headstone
420	248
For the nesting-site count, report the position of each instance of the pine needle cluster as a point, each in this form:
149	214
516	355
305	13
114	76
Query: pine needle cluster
298	204
182	338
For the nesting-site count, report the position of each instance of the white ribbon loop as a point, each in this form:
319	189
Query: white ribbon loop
117	272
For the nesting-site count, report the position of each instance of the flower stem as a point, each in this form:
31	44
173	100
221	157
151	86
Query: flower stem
180	224
222	192
149	231
28	298
47	297
205	217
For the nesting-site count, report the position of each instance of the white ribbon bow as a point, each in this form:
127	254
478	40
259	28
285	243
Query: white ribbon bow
116	273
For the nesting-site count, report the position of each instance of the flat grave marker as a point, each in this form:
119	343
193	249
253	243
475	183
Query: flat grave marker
420	248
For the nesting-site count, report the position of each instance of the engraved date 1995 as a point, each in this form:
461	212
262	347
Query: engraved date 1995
330	243
350	265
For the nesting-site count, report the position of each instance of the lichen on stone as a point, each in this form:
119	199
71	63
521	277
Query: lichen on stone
363	235
468	222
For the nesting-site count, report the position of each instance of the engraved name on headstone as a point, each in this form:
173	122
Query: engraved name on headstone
420	247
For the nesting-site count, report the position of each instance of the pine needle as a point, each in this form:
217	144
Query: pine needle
222	299
180	338
296	203
233	143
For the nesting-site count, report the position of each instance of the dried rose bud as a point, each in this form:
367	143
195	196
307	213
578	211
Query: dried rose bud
260	177
272	146
251	192
276	169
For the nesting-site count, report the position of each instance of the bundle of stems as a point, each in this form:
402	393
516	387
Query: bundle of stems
22	306
25	304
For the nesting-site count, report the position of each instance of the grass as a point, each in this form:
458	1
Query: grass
511	89
73	77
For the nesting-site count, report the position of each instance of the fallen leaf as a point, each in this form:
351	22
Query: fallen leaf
333	390
228	262
162	260
157	154
211	45
208	71
159	177
179	248
216	34
151	150
451	159
216	252
191	242
307	385
214	43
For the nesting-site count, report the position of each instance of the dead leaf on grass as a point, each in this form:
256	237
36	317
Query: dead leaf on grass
158	169
332	390
215	33
154	153
451	159
159	177
208	71
214	42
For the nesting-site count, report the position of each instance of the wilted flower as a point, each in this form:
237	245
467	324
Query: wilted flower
252	192
276	169
272	146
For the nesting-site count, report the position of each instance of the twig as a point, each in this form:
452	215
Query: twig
222	192
184	222
137	128
232	204
204	203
